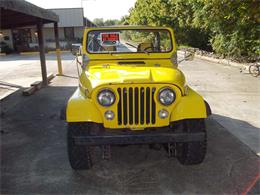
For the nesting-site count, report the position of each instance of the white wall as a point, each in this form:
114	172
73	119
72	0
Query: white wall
49	34
78	32
69	17
50	38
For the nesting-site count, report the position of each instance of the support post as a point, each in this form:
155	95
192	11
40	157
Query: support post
42	53
56	32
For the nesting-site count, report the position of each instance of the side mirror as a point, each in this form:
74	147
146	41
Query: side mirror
76	49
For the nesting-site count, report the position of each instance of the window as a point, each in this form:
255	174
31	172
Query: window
69	33
129	41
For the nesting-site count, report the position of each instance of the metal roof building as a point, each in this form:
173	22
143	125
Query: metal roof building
19	13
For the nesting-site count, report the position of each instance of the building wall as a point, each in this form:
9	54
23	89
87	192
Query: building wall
49	34
69	17
49	37
79	31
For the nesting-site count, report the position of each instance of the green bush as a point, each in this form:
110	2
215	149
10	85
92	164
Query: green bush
229	28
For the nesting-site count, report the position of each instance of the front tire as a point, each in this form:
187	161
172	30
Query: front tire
79	156
192	153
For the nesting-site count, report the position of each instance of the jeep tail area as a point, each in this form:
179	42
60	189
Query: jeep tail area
132	92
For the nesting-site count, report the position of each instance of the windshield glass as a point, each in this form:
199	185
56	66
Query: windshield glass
129	41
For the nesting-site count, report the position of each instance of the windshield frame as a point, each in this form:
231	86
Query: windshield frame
133	29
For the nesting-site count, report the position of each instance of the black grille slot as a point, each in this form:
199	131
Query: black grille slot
136	106
131	106
142	106
119	109
148	103
153	106
125	105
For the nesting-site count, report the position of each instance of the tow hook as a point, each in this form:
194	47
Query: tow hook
106	152
171	150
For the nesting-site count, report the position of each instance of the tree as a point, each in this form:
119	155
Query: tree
177	14
99	21
233	25
228	27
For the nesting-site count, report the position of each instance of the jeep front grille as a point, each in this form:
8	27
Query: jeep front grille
136	106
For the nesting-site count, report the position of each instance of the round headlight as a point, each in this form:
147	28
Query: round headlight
106	97
166	96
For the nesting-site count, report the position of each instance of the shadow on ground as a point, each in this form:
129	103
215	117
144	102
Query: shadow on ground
6	84
18	57
34	158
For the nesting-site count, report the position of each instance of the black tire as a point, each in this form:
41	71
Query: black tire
254	70
192	153
79	156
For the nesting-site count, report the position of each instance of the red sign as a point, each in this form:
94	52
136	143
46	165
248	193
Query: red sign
110	37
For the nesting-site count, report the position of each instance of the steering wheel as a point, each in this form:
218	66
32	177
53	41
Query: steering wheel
145	49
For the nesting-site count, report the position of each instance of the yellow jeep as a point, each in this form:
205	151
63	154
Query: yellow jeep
132	92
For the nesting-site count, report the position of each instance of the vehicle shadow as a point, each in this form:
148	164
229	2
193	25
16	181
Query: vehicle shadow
34	157
246	132
69	76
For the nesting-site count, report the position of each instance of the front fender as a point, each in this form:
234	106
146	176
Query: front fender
82	109
192	105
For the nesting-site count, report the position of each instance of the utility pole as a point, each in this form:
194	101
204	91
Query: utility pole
83	9
85	0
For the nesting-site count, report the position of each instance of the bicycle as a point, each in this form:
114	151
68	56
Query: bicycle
254	69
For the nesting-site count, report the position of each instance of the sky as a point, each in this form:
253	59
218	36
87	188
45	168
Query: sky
107	9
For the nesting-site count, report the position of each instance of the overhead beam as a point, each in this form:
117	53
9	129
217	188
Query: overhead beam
28	8
18	13
10	19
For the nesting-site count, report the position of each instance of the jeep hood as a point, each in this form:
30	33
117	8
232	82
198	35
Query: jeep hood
116	74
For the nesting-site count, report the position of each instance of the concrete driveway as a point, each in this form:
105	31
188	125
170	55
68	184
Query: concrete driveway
232	95
19	71
34	158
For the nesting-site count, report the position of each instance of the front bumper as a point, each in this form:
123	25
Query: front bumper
138	138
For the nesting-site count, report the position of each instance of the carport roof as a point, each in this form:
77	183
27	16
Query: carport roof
18	13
